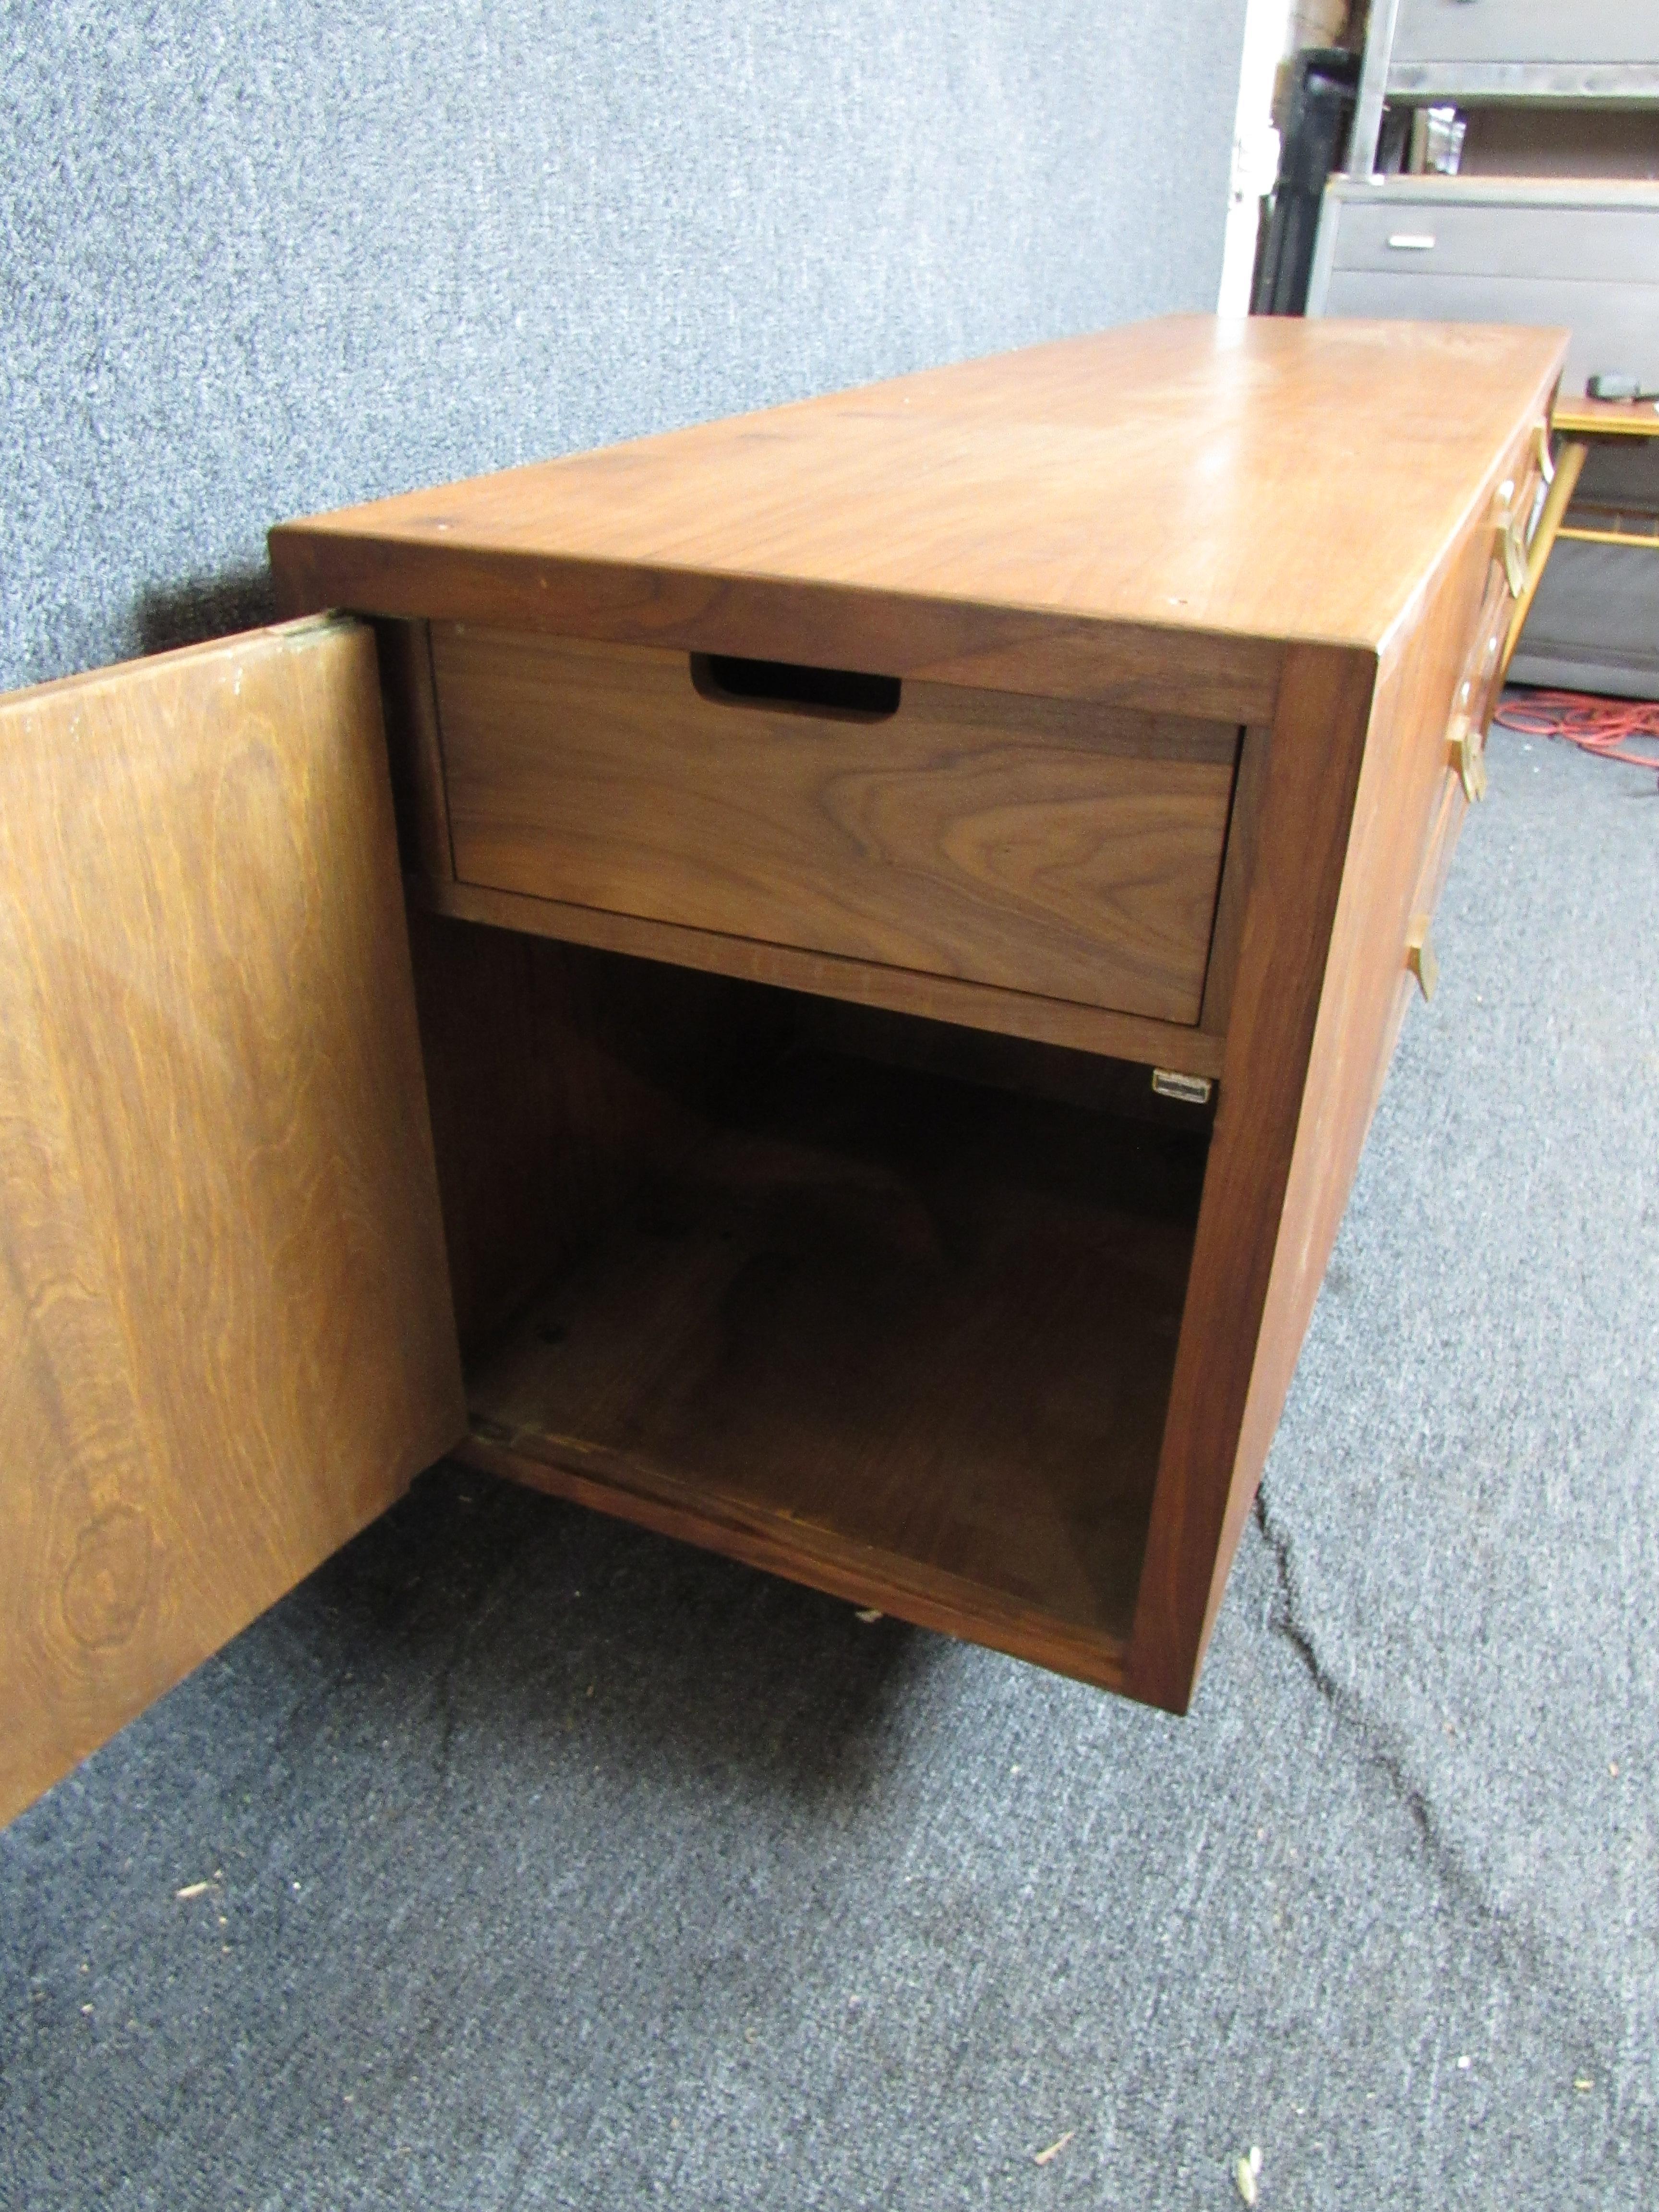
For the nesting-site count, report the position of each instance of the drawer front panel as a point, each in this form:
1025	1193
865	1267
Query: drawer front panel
1477	692
1614	327
1438	854
1045	846
1614	245
1526	31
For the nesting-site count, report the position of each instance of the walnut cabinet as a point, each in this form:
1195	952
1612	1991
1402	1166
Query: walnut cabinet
816	982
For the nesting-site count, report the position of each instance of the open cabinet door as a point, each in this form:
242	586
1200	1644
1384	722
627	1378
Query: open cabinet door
226	1336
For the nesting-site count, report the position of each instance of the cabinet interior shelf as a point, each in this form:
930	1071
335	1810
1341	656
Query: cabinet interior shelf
913	1331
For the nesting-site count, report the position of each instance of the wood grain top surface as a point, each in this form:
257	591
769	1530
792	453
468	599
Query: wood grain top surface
1271	478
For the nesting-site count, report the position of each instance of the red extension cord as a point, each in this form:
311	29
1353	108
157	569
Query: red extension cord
1603	726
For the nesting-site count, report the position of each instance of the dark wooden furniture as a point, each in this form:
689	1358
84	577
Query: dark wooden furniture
911	896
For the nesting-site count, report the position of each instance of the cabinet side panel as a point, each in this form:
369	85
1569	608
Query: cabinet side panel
226	1341
1393	869
1311	775
1360	776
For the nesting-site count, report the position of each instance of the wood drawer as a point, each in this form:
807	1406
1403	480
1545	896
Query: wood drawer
1476	695
1449	813
1053	846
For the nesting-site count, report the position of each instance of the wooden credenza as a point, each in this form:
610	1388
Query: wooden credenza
845	1035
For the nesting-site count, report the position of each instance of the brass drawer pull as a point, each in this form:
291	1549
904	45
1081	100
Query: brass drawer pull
1419	956
1512	546
1463	744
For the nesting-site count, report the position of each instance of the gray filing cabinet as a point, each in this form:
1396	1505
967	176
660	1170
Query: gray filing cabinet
1582	252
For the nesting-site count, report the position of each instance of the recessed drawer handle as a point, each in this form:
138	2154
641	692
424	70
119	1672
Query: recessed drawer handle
835	694
1412	241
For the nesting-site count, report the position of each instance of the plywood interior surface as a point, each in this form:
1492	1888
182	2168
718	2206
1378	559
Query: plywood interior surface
881	1308
1270	479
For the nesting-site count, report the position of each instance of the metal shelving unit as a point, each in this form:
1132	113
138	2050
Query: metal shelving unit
1577	250
1474	53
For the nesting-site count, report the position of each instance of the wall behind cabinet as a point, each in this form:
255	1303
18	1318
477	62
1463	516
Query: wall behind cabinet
268	256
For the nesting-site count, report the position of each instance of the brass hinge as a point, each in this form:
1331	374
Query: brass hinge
1192	1090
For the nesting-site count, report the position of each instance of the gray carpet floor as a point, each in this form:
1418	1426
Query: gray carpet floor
550	1864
